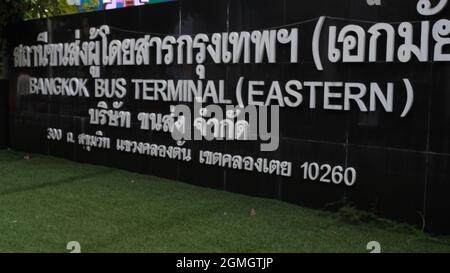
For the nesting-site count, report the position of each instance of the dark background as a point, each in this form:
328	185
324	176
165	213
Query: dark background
403	164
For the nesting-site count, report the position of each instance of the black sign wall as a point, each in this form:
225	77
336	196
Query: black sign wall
364	113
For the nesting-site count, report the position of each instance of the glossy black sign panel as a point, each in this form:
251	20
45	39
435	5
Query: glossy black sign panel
368	131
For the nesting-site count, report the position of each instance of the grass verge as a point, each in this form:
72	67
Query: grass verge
46	202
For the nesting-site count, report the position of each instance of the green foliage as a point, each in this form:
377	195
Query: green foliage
46	8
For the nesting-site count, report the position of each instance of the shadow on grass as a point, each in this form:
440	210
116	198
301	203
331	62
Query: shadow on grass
348	214
69	180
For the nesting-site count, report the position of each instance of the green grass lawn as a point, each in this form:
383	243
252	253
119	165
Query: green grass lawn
46	202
